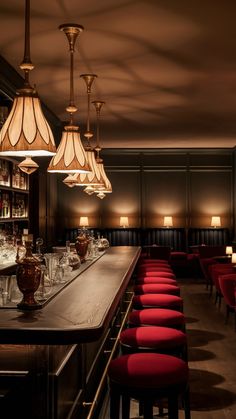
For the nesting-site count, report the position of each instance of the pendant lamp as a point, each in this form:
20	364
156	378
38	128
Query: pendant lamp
26	132
106	187
70	156
93	178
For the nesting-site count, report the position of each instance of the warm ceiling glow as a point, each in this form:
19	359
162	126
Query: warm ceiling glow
215	221
124	222
168	221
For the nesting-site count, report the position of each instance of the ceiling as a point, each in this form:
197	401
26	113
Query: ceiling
166	69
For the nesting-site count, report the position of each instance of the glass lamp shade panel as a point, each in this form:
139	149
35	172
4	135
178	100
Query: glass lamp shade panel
26	132
28	165
93	178
229	250
215	221
83	222
124	222
89	190
233	258
70	156
70	180
168	221
106	187
101	195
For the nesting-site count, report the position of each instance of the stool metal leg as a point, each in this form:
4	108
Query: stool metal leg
114	403
147	410
125	406
173	408
187	408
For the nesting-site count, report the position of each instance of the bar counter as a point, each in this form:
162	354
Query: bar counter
81	311
52	359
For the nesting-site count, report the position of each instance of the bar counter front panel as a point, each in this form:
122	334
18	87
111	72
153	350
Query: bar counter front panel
51	359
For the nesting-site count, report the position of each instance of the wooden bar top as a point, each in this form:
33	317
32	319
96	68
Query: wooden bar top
81	311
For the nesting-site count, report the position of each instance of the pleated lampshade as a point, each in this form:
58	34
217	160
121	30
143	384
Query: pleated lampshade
26	131
94	178
70	156
106	187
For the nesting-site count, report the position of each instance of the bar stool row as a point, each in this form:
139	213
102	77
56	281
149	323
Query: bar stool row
152	367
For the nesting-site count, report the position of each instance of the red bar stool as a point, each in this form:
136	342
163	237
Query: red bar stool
148	377
157	317
156	289
154	269
158	301
153	262
154	339
155	280
158	273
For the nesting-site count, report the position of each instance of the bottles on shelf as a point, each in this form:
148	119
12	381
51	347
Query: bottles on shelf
5	211
4	173
13	195
19	208
19	178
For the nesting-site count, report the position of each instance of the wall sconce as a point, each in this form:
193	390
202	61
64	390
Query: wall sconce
215	222
124	222
168	222
229	250
83	222
233	259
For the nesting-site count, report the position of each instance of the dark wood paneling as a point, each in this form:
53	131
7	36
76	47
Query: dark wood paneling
210	194
209	236
210	159
164	194
190	185
124	201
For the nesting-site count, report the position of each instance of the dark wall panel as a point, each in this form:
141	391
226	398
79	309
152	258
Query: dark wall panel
74	203
124	201
210	194
189	185
164	193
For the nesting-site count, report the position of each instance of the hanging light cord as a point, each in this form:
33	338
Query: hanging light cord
26	64
89	79
98	106
71	33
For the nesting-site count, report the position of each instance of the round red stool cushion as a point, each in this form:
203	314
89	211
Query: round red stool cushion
158	300
156	317
153	261
148	370
164	274
154	338
156	280
154	266
156	289
155	269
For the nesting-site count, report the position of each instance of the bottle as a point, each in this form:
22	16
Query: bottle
14	176
22	180
5	206
1	205
22	208
5	172
17	177
1	174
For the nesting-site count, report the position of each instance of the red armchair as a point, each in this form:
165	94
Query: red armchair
228	288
